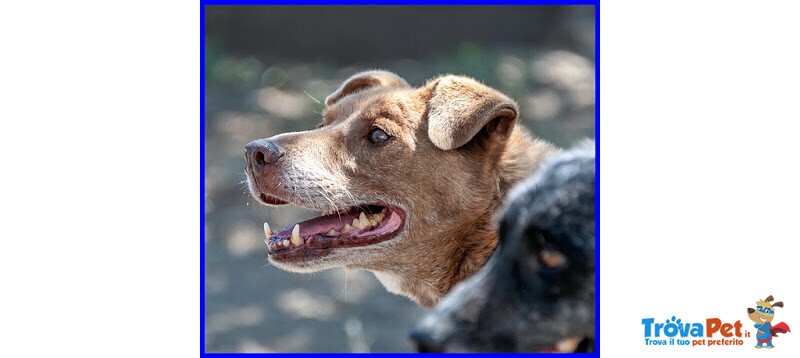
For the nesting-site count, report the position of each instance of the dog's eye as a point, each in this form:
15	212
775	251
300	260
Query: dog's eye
378	136
552	258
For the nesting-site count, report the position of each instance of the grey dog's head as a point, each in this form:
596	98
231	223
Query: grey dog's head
537	291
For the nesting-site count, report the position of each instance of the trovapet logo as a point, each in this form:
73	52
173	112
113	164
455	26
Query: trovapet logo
675	332
716	332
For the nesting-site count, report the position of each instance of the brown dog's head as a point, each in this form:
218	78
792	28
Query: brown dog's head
405	177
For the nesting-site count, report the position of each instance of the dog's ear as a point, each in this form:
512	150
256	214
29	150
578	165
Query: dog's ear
364	80
778	304
769	298
459	107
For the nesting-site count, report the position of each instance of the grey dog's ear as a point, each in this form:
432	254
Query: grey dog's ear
460	107
364	80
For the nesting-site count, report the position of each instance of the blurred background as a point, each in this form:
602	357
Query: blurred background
266	70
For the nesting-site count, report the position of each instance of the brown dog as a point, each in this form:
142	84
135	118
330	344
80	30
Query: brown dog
410	179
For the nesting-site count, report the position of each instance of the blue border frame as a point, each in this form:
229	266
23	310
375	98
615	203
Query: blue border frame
202	178
203	4
400	2
597	178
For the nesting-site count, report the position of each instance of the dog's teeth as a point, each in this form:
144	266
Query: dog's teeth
296	239
568	344
285	242
347	227
363	221
356	224
378	217
333	232
267	231
325	213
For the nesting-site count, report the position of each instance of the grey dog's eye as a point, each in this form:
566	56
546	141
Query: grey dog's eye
378	136
552	258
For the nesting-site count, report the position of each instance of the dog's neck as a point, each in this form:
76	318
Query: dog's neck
458	256
466	246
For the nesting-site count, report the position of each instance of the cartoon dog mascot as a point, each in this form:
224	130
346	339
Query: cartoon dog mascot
763	315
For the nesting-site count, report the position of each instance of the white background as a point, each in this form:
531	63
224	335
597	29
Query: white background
699	167
100	134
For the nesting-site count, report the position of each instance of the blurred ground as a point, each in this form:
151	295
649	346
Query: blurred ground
251	93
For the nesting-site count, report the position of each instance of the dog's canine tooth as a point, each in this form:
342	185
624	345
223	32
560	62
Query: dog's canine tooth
267	231
363	221
296	239
568	345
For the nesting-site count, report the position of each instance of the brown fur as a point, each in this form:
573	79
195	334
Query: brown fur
455	152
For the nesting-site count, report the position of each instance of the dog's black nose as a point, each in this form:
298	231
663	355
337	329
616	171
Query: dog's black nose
262	152
425	342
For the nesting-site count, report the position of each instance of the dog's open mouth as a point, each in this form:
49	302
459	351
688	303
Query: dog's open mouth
361	226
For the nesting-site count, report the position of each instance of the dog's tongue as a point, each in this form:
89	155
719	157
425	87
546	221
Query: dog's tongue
320	225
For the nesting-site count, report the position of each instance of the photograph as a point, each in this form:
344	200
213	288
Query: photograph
399	178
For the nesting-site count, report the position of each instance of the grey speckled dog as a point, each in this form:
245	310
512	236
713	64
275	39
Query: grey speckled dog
537	291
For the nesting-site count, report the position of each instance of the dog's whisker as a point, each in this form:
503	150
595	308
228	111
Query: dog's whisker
344	288
312	97
335	208
349	194
321	192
